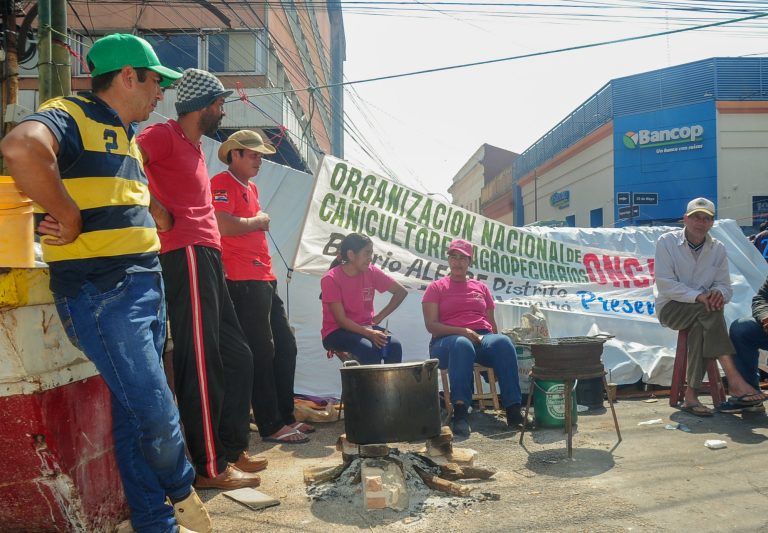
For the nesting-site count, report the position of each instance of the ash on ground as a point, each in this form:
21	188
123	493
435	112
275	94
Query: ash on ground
347	490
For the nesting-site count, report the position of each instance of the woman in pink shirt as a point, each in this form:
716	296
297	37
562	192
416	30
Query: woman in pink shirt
458	312
348	288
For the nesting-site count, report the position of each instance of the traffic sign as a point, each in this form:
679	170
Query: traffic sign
629	211
645	198
622	198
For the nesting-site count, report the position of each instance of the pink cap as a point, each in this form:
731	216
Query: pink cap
461	246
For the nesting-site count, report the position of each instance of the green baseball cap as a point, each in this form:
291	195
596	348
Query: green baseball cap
115	51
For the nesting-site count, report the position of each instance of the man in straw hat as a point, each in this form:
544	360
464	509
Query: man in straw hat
212	363
692	287
253	287
77	158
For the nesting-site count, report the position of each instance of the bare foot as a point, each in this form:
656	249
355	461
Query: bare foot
747	395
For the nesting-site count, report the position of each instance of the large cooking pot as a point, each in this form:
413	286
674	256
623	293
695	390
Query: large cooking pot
390	403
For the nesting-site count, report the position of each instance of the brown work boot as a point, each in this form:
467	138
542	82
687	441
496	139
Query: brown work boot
250	463
230	479
192	514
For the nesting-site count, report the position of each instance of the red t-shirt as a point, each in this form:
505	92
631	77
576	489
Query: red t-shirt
354	292
460	304
178	179
246	257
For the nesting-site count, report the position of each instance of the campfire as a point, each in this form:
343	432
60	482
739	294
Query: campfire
383	477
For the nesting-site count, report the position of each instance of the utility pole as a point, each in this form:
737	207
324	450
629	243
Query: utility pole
54	67
10	70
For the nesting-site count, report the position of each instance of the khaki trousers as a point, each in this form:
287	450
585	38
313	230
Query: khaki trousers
707	335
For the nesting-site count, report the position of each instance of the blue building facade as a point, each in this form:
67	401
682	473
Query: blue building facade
665	145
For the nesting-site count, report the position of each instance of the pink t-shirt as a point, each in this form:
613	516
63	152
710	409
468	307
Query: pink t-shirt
246	256
354	292
462	304
178	178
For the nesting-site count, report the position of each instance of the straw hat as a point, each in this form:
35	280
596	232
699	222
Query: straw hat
244	140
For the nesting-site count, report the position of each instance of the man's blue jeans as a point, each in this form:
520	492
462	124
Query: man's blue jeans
747	336
122	332
458	354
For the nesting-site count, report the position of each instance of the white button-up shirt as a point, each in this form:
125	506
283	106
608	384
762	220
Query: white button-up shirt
681	275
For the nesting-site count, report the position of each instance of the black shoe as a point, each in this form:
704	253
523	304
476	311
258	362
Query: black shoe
460	423
516	417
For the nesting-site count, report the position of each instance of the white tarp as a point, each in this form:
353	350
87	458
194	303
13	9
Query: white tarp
586	281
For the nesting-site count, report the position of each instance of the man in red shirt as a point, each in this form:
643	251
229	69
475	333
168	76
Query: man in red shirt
212	362
253	287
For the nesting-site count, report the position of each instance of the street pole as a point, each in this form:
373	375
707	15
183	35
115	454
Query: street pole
45	60
10	70
535	197
55	73
59	51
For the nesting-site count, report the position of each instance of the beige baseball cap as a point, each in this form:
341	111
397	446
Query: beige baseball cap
700	204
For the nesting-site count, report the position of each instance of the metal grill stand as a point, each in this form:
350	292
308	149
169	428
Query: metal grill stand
568	360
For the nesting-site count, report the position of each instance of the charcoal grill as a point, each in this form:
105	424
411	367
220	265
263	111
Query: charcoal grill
568	359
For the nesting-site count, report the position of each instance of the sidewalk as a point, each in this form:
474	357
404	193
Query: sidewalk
655	480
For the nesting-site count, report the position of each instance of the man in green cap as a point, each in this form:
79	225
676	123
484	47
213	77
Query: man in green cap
77	158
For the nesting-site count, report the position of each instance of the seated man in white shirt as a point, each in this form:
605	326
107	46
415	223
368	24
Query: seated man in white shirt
692	287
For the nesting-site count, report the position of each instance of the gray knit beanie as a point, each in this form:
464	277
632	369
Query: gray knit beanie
198	89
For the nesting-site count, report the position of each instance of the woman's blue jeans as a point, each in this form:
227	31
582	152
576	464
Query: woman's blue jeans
458	354
122	331
362	348
748	337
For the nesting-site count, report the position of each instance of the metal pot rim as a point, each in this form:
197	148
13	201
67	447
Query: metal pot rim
384	367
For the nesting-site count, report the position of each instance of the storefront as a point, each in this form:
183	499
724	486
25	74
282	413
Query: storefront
639	149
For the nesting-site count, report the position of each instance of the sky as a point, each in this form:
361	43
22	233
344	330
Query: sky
422	129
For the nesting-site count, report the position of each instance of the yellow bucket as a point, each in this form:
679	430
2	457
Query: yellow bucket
17	240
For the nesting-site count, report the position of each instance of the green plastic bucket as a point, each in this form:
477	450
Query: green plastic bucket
549	404
524	365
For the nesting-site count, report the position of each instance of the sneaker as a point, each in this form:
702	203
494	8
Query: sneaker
460	424
191	514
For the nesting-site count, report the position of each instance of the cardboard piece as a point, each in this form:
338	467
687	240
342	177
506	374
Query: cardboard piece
252	498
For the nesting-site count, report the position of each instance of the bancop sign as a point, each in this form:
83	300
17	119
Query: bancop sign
656	138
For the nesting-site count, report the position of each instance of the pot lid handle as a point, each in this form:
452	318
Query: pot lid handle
351	363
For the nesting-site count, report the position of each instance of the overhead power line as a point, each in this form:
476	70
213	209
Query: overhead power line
529	55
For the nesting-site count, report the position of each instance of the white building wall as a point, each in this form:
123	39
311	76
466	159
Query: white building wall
466	191
742	163
587	175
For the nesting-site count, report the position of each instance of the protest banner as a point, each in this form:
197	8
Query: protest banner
522	266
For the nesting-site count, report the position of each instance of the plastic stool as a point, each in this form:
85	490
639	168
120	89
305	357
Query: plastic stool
677	392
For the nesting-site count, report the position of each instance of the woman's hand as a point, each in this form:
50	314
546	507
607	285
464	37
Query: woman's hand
377	337
472	335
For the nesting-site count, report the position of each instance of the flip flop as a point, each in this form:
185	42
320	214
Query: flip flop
740	400
730	407
283	439
696	410
304	428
